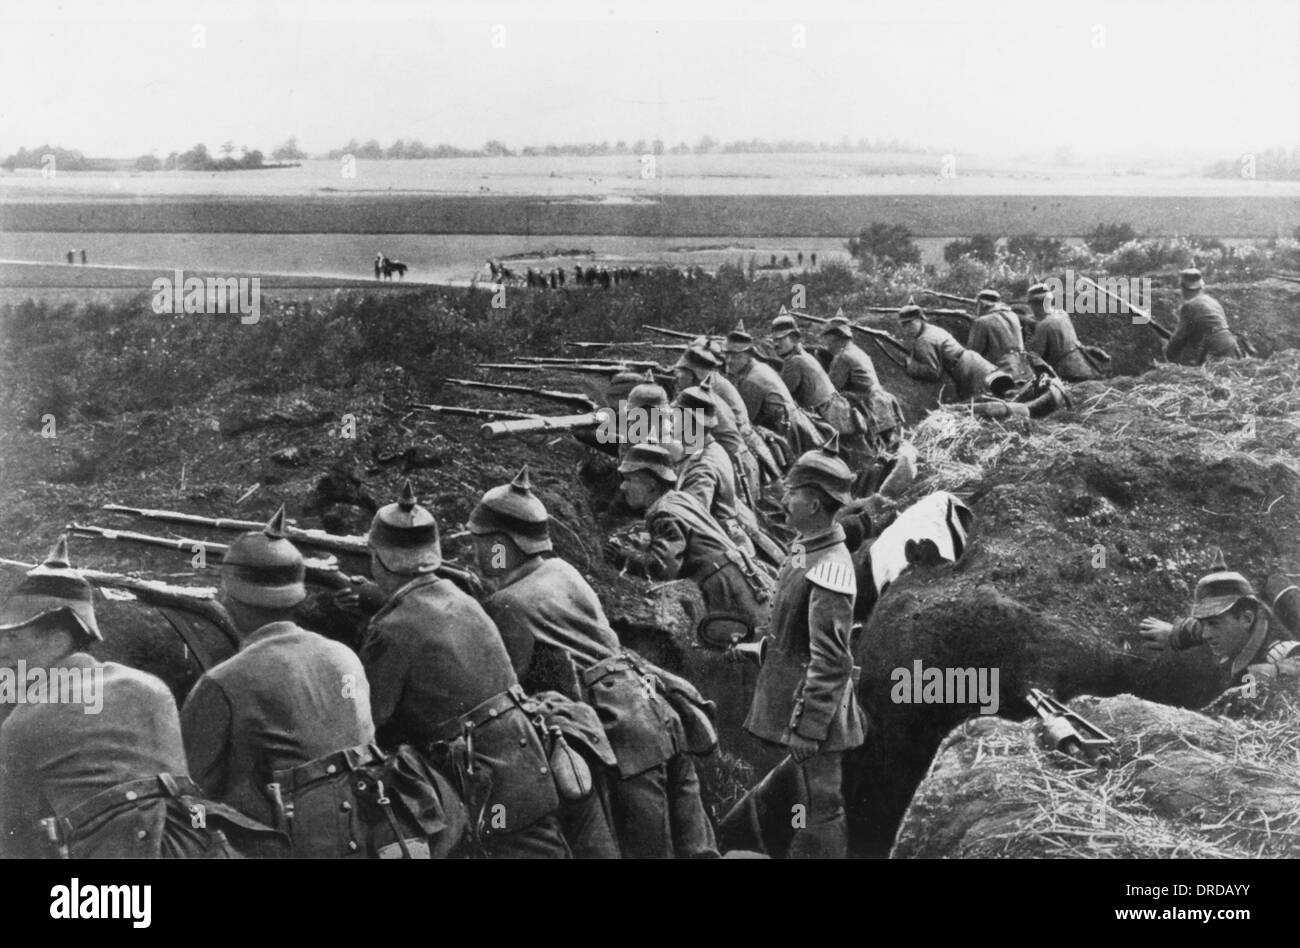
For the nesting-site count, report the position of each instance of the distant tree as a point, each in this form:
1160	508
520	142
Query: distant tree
983	247
1042	253
1106	238
883	242
707	145
371	150
147	163
496	148
639	147
289	151
227	148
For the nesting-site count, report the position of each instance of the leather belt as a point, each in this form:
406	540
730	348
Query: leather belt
491	709
607	666
298	778
145	788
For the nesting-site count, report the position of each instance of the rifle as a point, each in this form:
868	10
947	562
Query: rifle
950	296
502	429
1069	732
631	343
1161	331
619	364
585	368
678	334
197	600
474	412
317	539
929	312
570	398
865	330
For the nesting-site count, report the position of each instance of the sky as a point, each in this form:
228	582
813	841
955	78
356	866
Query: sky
1166	77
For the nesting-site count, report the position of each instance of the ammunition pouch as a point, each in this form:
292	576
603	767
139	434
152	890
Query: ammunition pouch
696	713
361	803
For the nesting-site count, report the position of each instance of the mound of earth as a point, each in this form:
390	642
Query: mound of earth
1181	785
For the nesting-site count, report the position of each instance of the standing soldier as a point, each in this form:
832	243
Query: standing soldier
543	602
805	698
854	375
109	784
1055	340
1240	630
287	698
996	335
935	353
441	680
1202	332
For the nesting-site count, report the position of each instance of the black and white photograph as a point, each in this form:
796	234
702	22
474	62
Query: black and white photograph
644	431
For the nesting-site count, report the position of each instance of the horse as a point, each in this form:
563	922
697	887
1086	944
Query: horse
394	266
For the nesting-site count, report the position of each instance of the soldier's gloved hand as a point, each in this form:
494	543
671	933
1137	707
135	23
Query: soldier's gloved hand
801	748
1156	634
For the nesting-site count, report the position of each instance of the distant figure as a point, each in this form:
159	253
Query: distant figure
773	262
814	259
394	266
493	267
559	275
71	253
799	257
83	257
379	265
785	261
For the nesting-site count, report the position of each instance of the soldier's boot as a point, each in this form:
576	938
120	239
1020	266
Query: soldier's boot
692	832
825	835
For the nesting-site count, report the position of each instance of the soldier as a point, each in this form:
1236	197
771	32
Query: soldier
812	390
287	698
767	400
1054	338
686	542
441	679
995	334
104	776
1202	332
544	603
805	698
854	375
706	469
749	453
1239	628
934	353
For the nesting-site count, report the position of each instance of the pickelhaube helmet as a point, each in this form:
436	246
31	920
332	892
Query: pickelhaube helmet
1219	590
988	296
784	325
1191	279
1037	291
698	359
739	339
52	588
622	384
647	392
910	311
404	536
651	457
838	326
698	399
513	509
264	569
823	467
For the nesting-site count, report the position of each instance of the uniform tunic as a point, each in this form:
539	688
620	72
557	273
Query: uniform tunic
1202	333
432	655
1268	643
806	380
655	793
286	698
767	400
996	336
55	757
936	353
1056	341
854	374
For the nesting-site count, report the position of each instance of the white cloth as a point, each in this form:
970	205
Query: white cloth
940	517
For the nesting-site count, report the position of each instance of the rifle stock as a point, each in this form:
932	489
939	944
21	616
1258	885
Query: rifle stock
1147	318
504	429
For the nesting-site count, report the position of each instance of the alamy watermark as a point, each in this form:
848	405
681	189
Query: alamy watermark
215	295
40	685
638	425
1117	296
920	685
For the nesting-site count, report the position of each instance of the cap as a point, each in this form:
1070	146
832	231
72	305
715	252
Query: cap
52	588
650	457
264	569
1219	590
697	359
1191	279
1036	291
698	399
404	536
823	467
989	296
910	311
513	509
838	326
739	340
784	326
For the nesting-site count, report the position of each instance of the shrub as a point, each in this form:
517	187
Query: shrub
1107	238
880	244
982	247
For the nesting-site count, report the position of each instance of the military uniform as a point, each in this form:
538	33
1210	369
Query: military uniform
654	796
935	352
1202	333
805	683
854	374
1056	341
811	389
1269	643
286	698
996	336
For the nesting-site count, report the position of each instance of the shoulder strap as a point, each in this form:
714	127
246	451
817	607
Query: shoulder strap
832	575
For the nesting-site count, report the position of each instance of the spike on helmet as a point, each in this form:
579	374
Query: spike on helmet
53	588
648	392
697	358
263	569
513	509
910	311
404	536
784	325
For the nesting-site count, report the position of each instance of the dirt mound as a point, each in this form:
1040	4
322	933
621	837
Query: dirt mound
1182	785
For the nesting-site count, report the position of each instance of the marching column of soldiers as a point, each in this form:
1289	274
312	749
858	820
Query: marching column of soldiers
519	726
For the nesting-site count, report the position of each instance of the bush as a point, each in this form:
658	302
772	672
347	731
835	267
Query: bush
1107	238
1034	252
880	244
982	247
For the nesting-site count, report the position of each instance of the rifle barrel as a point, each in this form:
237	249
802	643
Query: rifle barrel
475	412
319	539
1147	318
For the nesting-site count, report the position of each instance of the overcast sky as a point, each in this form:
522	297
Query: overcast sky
1169	76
